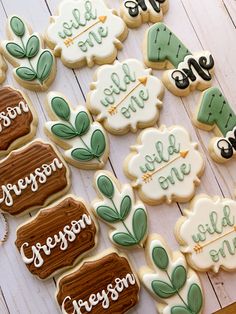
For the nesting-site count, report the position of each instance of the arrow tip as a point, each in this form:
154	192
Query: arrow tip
102	18
184	153
143	80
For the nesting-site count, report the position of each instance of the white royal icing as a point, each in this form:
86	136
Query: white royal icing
165	164
69	234
227	143
209	234
79	34
33	180
149	275
7	116
198	82
111	293
125	95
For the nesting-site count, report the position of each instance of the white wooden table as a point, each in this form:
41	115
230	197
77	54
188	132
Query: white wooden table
202	24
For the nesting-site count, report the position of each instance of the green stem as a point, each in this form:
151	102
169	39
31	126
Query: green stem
129	232
30	63
83	141
177	291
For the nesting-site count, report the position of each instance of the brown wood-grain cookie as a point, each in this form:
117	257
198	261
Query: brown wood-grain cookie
31	177
16	117
56	237
105	285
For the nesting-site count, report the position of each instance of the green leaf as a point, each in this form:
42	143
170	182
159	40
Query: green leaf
107	214
32	46
124	239
82	154
160	257
44	65
63	131
15	50
98	143
139	223
125	207
180	310
17	26
105	186
26	74
195	299
179	277
163	289
82	123
61	108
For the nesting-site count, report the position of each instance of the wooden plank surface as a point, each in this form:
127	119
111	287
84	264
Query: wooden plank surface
202	25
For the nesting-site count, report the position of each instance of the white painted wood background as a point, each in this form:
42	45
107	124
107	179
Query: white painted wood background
201	24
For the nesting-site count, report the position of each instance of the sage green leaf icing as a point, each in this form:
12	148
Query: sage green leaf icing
180	310
44	66
160	257
26	74
82	154
195	299
105	186
98	143
131	228
216	110
124	239
107	214
139	224
61	108
17	26
163	289
15	50
163	45
82	123
63	131
125	207
32	46
179	277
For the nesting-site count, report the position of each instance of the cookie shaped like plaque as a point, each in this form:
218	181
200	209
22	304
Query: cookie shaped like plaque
57	237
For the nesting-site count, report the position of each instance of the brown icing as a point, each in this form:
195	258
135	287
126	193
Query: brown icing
20	164
93	277
50	222
21	125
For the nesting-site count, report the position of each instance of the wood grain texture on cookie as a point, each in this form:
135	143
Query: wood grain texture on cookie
31	177
18	119
104	285
56	237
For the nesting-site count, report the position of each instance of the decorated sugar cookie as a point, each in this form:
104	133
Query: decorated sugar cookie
3	69
175	286
35	67
125	96
103	284
164	165
215	113
116	206
32	177
85	141
18	119
57	237
162	49
86	32
136	12
207	233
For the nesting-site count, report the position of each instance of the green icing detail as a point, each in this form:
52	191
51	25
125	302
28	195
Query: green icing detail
215	109
77	128
163	45
176	281
29	49
111	214
17	26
